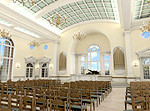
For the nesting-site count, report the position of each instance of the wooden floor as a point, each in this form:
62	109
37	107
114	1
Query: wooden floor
114	102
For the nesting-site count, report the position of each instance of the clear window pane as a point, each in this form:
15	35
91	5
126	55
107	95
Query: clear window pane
94	66
106	57
82	65
98	56
93	56
106	68
89	65
82	58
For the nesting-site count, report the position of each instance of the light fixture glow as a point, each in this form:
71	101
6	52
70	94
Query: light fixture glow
27	32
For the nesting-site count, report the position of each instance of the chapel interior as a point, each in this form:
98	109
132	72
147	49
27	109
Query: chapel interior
74	55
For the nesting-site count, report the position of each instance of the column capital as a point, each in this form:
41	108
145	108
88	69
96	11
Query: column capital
127	31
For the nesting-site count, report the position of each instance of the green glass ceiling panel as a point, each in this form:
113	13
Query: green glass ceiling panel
145	16
72	4
138	3
72	14
80	2
49	1
93	10
111	14
52	12
99	5
75	8
84	19
101	9
145	7
95	14
146	12
137	9
112	18
68	10
88	1
45	16
108	5
65	7
41	4
97	17
96	1
27	5
35	9
85	10
91	18
91	5
109	10
83	7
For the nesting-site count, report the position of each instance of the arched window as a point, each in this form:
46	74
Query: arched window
6	60
29	70
62	61
118	57
45	68
94	58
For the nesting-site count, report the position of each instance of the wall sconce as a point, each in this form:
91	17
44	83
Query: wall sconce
135	64
17	65
51	66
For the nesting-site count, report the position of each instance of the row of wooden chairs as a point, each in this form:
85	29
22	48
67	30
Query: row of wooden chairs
138	95
71	95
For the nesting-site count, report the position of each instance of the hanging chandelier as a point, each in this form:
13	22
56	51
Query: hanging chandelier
146	30
58	21
31	2
79	36
5	34
33	44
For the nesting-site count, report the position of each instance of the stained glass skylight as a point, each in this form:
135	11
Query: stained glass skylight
141	9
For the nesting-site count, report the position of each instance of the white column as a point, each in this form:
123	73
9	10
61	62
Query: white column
55	58
102	63
128	54
73	63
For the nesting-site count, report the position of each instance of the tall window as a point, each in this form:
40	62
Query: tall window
118	56
45	68
62	61
29	70
106	61
6	58
146	68
82	64
94	58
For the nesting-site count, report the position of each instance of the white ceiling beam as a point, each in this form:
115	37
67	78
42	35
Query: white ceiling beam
125	12
21	21
52	6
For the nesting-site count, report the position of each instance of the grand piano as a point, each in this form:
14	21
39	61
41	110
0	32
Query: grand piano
92	72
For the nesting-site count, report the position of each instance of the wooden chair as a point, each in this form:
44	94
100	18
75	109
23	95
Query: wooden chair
57	104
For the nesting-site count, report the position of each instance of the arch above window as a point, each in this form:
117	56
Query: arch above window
93	48
119	60
62	61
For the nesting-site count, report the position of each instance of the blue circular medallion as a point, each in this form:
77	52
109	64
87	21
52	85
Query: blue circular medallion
145	34
45	47
31	47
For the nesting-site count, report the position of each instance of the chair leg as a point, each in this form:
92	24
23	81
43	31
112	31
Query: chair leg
97	102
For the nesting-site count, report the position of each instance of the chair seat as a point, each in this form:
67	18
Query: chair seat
87	101
130	102
128	110
128	96
94	96
78	108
